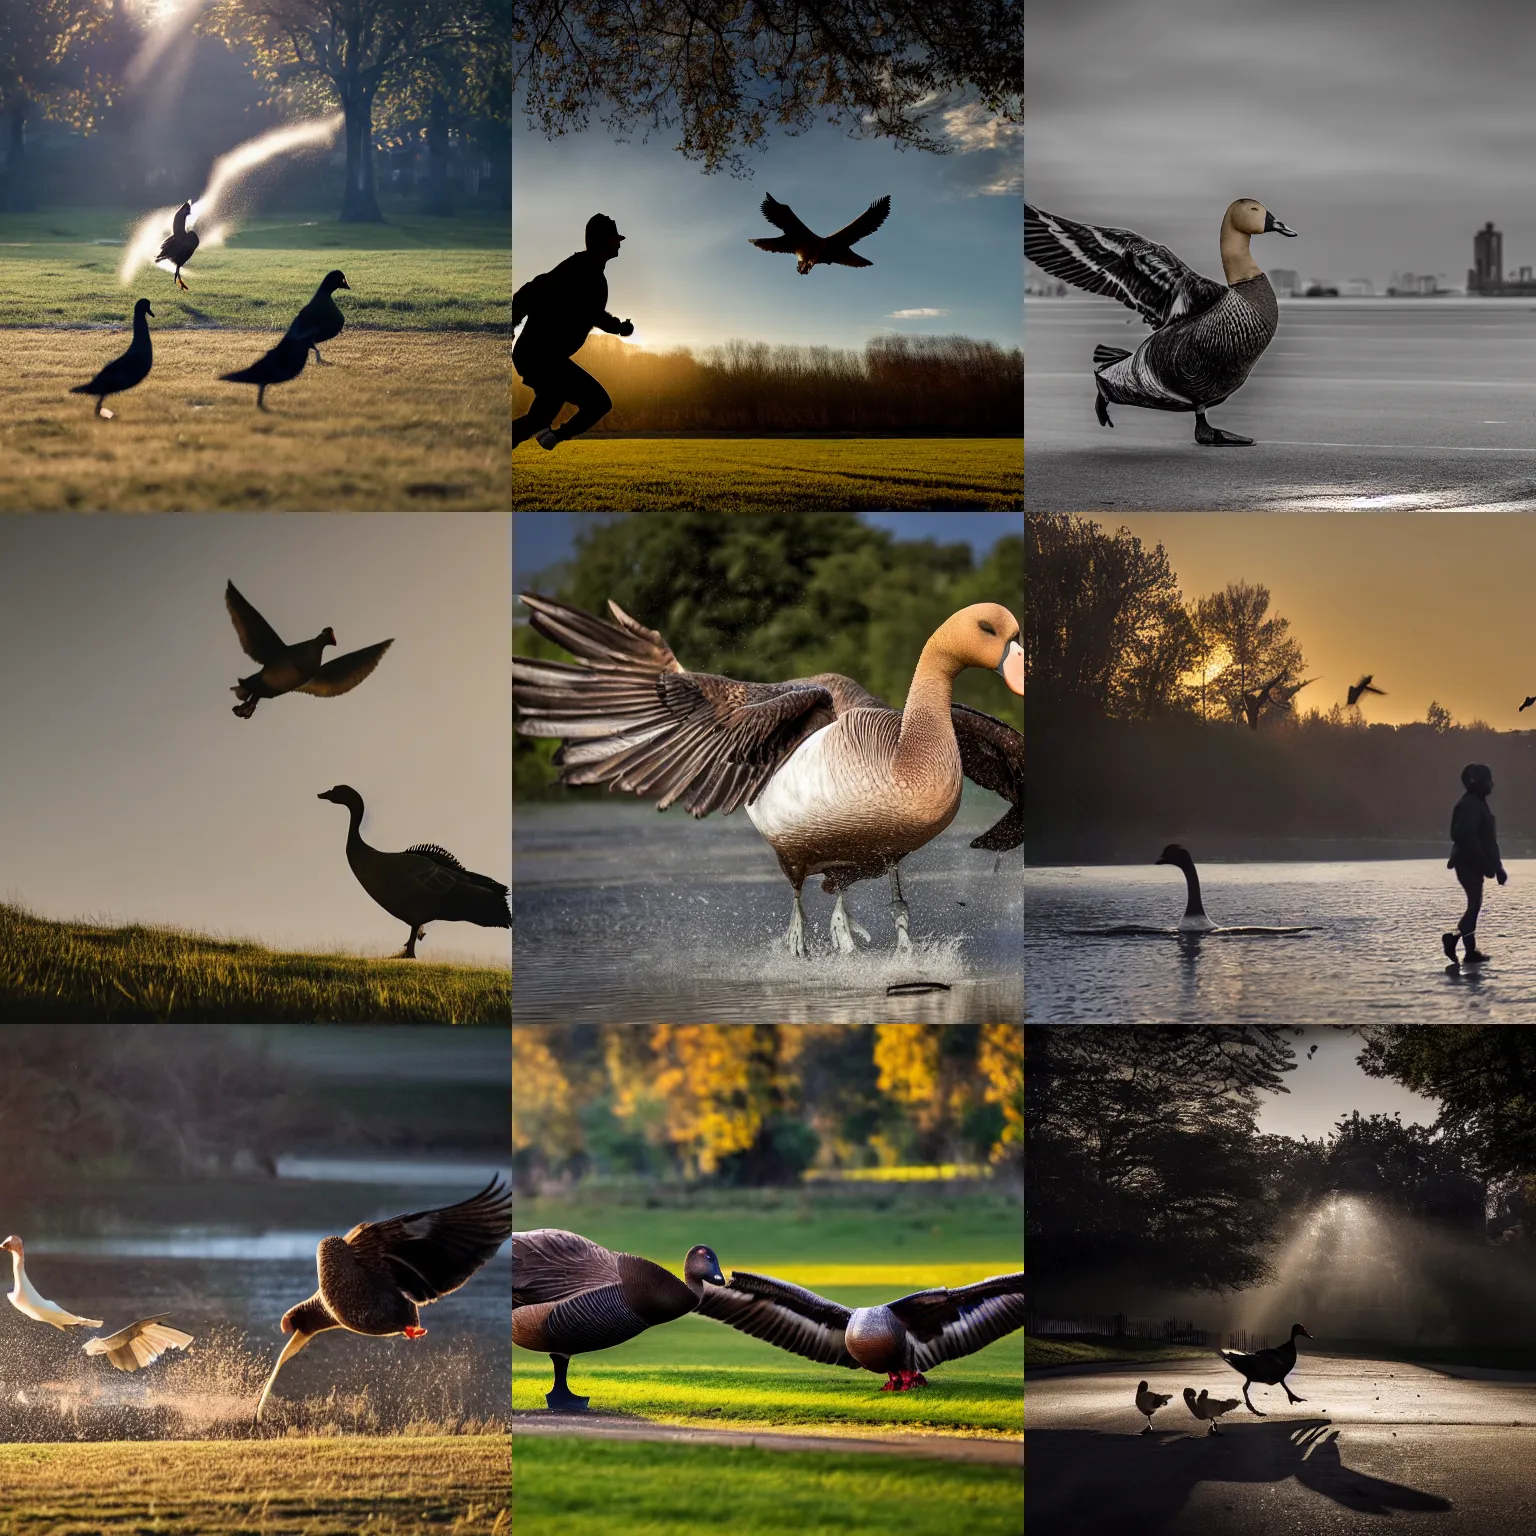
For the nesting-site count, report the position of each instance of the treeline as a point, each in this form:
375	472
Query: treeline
902	384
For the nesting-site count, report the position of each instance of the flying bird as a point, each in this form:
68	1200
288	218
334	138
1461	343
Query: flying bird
373	1280
125	371
180	243
1362	687
811	249
1147	1403
292	668
285	361
140	1343
1207	1407
26	1300
321	319
1531	699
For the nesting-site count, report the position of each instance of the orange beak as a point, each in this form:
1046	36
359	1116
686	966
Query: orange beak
1011	667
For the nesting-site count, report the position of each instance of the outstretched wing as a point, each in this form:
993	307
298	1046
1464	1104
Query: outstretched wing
1141	274
992	755
948	1323
783	216
549	1264
342	674
430	1253
258	639
782	1314
866	224
140	1343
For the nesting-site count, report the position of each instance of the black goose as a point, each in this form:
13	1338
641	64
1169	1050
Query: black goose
292	668
180	243
570	1296
1357	690
903	1338
424	884
810	249
321	319
285	361
373	1280
1206	335
1268	1367
125	371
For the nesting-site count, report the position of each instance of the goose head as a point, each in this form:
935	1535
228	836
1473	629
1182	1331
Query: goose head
343	794
333	280
1248	216
12	1244
327	636
141	309
1193	1402
1177	853
983	635
1299	1328
701	1265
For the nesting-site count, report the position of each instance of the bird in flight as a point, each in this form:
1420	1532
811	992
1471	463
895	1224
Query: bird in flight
811	249
1530	699
1363	686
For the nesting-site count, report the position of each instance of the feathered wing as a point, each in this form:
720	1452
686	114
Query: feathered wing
140	1343
549	1264
781	1314
782	215
992	755
469	898
1141	274
342	674
431	1253
257	638
947	1324
866	223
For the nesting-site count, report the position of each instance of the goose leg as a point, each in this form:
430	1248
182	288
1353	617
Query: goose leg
560	1398
1248	1400
1101	410
1292	1395
899	913
843	928
418	934
794	940
1214	437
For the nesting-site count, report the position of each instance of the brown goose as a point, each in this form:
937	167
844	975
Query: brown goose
424	884
839	784
570	1296
292	668
140	1343
903	1338
373	1279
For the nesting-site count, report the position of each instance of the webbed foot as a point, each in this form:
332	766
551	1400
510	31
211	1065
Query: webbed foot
1213	437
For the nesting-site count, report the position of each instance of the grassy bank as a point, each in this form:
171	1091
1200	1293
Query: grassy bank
594	1488
1040	1352
58	972
330	1487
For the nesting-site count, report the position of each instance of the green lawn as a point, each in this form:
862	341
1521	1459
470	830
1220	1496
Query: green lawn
1063	1351
75	972
597	1488
659	474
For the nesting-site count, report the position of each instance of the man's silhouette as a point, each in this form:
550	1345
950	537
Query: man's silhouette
561	306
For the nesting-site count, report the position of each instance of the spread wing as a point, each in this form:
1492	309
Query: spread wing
549	1264
992	755
782	1314
948	1323
140	1343
866	223
258	639
430	1253
343	673
1141	274
783	216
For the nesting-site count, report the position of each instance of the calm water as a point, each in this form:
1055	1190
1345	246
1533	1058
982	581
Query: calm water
625	915
1373	955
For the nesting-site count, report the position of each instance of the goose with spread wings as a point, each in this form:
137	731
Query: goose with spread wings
373	1280
811	249
839	784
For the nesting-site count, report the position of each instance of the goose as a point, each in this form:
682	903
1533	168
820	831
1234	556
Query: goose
571	1296
123	372
180	243
1269	1367
1207	1407
1194	919
1147	1403
1364	686
140	1343
25	1299
292	668
283	362
321	319
838	784
811	249
424	884
1530	699
1206	335
373	1280
903	1338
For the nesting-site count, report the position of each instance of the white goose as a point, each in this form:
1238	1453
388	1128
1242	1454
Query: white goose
140	1343
1207	1407
25	1299
1147	1403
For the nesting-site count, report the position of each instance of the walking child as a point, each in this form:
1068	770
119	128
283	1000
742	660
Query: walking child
1474	857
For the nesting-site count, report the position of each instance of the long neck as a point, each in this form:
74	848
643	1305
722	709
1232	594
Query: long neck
18	1277
354	827
926	722
141	330
1193	907
1236	260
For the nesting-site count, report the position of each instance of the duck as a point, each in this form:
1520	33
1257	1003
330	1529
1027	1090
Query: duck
321	319
281	364
139	1344
292	668
1147	1403
571	1296
424	884
838	784
124	372
810	249
901	1339
1364	686
180	243
26	1300
1194	919
1206	335
1207	1407
1269	1367
373	1280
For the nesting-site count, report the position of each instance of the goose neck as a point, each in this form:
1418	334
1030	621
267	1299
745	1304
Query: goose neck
1237	261
1193	907
925	718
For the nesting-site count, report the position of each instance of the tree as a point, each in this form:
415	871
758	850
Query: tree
1438	717
1260	658
724	72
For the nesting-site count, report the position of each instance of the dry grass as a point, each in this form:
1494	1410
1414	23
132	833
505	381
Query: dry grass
403	420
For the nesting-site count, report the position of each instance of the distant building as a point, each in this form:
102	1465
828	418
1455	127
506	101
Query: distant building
1486	275
1284	280
1360	288
1416	285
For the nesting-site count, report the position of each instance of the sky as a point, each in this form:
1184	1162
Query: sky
132	793
946	261
1384	135
1436	606
1330	1084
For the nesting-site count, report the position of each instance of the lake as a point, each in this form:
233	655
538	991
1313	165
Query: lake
1373	954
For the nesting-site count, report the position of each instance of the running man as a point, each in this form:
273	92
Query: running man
1474	857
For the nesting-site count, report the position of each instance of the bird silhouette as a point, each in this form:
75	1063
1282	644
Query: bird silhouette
284	362
1531	699
125	371
811	248
321	319
1363	686
180	243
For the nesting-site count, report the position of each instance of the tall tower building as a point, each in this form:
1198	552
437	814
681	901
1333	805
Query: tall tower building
1487	259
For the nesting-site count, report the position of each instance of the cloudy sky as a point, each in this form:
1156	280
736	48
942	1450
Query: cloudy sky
133	794
1329	1084
946	261
1385	135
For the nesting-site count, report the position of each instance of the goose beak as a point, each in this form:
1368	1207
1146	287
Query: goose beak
1273	226
716	1279
1011	667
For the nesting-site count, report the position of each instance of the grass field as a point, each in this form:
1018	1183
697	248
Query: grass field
337	1486
1048	1351
594	1488
660	474
72	971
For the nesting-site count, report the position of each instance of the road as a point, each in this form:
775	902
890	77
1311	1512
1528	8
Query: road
1374	1442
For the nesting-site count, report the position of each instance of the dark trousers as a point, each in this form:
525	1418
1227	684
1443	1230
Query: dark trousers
553	384
1472	884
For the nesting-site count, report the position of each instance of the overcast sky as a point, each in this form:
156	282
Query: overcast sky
131	791
1434	605
1385	135
1329	1084
946	261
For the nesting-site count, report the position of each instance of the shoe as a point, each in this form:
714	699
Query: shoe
1474	957
548	438
1448	944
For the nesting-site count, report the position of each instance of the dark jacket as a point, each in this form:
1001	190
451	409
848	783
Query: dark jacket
1472	835
561	307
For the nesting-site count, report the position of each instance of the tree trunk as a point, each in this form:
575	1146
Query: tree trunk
360	202
438	200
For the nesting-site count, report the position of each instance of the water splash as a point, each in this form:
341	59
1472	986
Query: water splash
229	171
